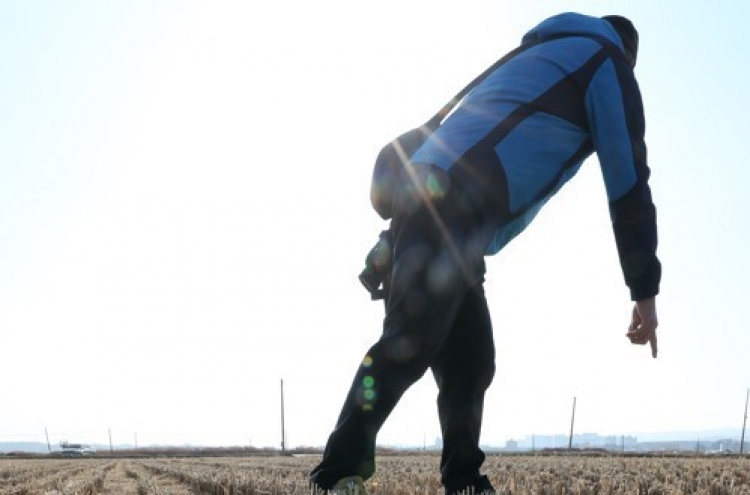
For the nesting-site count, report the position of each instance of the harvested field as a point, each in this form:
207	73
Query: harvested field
407	474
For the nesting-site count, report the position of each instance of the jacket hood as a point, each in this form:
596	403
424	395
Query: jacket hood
571	23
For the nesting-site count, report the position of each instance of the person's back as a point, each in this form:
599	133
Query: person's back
540	115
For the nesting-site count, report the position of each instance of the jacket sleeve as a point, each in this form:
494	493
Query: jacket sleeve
617	125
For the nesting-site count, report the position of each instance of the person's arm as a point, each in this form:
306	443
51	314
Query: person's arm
617	125
616	120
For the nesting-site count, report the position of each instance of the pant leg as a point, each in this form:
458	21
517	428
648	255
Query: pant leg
463	370
428	285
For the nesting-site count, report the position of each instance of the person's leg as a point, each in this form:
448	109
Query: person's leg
428	285
463	370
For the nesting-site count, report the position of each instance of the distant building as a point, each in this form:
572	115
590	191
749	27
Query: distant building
538	442
623	442
725	446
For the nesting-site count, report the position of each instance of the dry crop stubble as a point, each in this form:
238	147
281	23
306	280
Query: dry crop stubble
397	474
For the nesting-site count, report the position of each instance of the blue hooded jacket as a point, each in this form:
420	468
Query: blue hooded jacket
541	114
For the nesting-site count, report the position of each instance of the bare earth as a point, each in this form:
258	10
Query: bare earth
126	477
117	481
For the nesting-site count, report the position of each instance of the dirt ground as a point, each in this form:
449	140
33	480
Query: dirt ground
87	476
117	481
130	478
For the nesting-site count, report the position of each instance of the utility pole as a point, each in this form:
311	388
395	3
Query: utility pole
744	422
283	429
49	447
533	443
136	440
111	450
572	422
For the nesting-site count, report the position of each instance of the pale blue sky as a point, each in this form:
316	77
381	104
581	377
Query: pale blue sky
184	211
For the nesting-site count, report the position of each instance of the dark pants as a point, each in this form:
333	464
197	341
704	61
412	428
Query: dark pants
436	317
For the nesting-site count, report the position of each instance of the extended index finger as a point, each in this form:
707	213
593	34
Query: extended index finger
652	341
